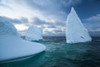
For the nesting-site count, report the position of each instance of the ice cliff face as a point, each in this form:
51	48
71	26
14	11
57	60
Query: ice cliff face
6	28
75	30
34	33
12	46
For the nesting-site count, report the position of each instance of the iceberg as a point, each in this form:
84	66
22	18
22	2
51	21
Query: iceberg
75	30
33	33
12	46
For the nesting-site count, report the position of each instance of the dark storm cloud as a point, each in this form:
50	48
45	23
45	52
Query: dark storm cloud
51	26
60	23
94	18
24	20
57	10
38	21
93	23
54	33
57	31
51	7
49	4
15	21
95	34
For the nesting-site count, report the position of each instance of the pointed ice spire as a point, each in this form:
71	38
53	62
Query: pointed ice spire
73	10
75	30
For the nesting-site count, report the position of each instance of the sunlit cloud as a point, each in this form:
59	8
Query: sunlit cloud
21	27
53	21
50	15
95	18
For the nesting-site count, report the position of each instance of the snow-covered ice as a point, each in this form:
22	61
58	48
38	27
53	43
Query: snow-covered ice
75	30
34	33
12	46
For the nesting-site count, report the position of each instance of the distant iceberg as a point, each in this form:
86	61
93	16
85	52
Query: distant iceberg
75	30
34	33
12	46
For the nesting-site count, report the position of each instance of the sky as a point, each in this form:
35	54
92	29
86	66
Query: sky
50	15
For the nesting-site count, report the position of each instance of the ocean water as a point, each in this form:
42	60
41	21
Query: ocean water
61	54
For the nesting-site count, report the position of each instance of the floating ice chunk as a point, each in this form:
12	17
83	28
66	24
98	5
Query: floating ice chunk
75	30
34	33
12	46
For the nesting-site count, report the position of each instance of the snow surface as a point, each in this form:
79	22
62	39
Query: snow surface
75	30
12	46
34	33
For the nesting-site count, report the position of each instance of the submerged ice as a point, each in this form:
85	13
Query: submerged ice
75	30
12	46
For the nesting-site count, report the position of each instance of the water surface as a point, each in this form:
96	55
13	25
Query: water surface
61	54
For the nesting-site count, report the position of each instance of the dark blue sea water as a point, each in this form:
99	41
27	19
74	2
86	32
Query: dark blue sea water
61	54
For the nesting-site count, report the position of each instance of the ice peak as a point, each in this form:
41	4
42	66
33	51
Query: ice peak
73	11
72	8
75	30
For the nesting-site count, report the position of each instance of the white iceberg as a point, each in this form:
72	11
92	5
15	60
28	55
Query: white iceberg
12	46
33	33
75	30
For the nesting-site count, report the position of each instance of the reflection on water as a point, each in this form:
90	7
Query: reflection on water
60	54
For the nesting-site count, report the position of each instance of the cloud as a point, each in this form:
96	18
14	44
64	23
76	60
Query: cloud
92	27
15	9
51	26
47	14
94	18
23	24
21	27
93	23
54	32
38	21
68	3
52	8
95	34
44	4
14	21
6	19
37	8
